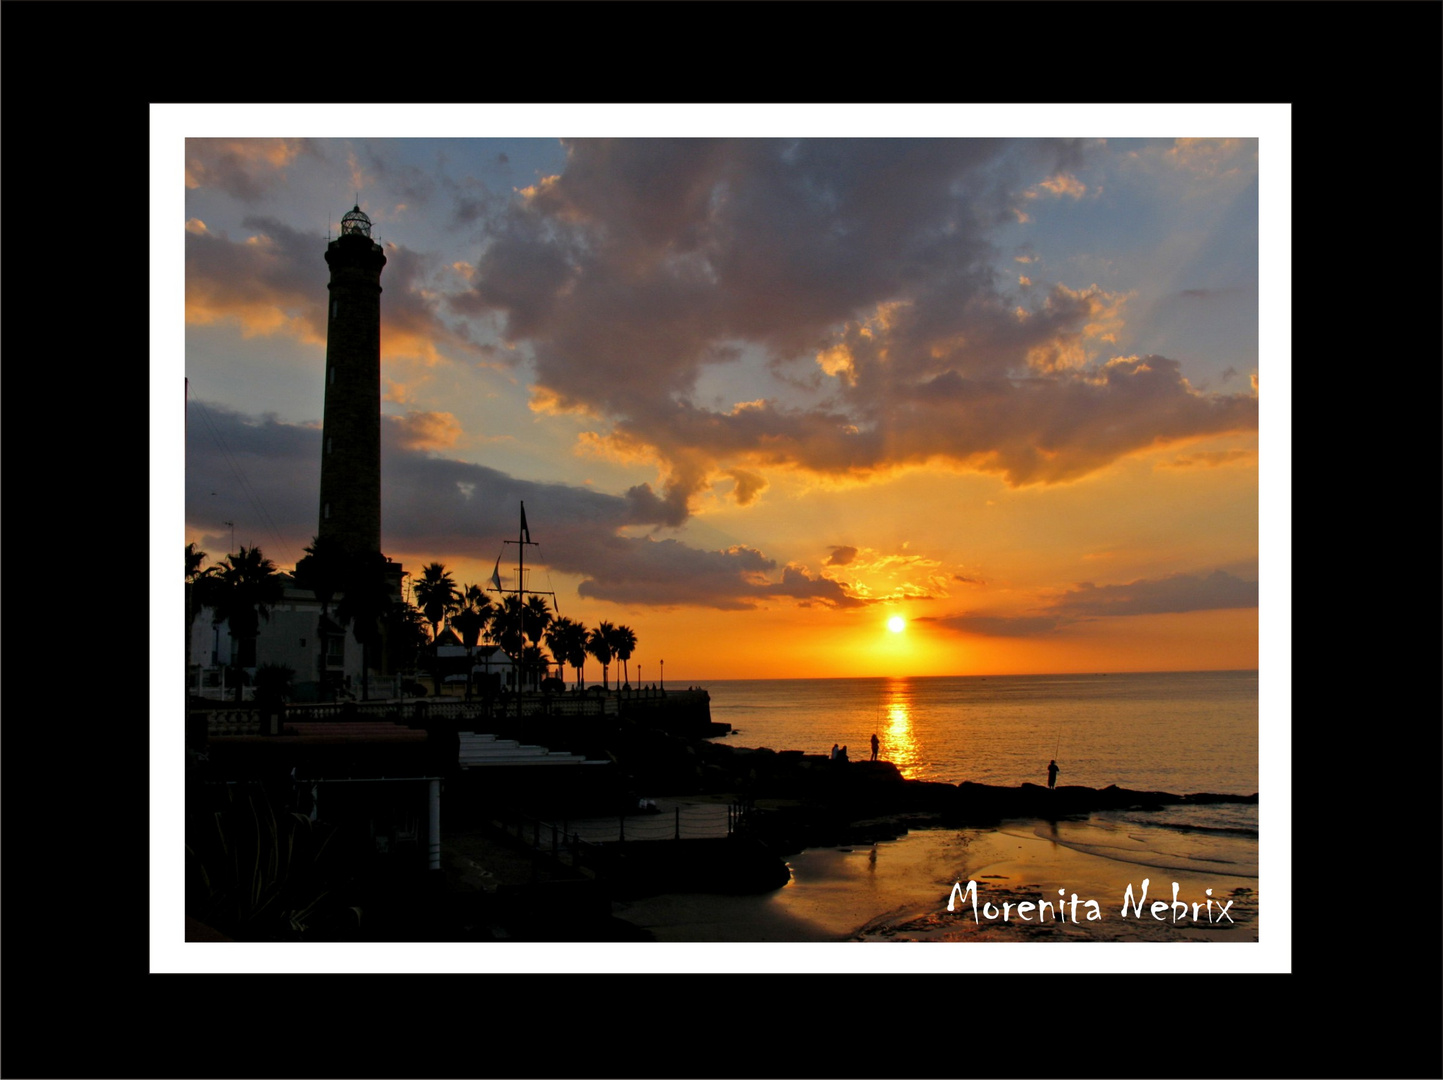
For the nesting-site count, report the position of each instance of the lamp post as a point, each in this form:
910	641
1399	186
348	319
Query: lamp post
663	674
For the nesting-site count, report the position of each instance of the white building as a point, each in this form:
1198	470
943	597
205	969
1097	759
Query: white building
320	651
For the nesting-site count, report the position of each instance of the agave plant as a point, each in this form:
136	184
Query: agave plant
256	874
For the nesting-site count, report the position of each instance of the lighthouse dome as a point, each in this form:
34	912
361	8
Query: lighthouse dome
355	222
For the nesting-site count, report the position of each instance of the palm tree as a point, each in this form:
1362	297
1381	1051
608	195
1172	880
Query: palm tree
439	599
365	600
566	638
196	591
323	570
623	645
247	587
598	644
536	617
404	630
471	622
506	626
532	661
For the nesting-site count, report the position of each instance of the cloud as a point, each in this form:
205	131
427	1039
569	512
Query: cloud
1212	157
428	430
265	475
274	281
244	168
841	556
1172	595
1064	184
1014	626
748	485
1212	459
647	263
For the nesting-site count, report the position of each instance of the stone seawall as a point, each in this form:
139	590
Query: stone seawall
679	712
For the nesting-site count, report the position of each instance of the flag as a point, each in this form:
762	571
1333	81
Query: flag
496	574
525	532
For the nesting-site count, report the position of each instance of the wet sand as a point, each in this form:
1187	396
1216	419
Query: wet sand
899	890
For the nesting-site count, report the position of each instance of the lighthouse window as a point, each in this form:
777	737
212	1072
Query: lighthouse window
333	375
335	308
328	445
328	511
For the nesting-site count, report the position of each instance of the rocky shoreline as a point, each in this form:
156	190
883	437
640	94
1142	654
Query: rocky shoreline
792	800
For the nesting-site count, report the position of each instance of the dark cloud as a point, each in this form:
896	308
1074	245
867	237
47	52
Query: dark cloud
841	556
266	475
243	168
1001	625
1170	595
647	261
1175	594
275	278
272	279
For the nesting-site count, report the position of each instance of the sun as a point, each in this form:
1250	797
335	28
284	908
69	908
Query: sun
896	624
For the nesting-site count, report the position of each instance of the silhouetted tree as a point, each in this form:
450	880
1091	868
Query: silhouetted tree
536	618
506	626
599	644
323	570
471	622
438	598
247	587
406	636
533	661
197	594
566	638
365	600
623	645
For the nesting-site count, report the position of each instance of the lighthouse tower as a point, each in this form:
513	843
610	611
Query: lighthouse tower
350	509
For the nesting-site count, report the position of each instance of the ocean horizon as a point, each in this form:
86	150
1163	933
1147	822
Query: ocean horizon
1180	732
1184	732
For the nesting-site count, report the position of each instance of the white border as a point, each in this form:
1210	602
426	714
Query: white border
1271	124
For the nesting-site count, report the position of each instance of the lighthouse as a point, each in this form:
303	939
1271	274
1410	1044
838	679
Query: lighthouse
350	510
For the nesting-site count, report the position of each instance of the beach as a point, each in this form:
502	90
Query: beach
899	890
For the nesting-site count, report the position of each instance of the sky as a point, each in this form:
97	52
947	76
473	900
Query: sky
766	387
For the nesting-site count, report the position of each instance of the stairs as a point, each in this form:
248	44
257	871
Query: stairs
481	751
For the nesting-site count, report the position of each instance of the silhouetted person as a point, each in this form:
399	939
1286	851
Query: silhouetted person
875	745
842	754
835	749
1051	775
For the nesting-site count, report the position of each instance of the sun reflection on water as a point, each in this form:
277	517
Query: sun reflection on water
899	742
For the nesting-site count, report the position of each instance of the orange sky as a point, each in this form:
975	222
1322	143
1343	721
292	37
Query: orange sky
1009	392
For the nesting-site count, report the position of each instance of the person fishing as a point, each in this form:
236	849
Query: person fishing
875	746
1052	771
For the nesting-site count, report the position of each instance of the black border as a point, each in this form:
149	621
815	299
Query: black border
1361	78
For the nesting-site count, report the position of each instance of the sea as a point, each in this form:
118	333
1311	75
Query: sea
1174	731
1179	732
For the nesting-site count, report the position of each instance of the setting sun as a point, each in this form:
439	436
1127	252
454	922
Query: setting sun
896	624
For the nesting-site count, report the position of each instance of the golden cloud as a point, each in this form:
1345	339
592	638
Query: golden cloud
1065	184
748	485
213	162
429	430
